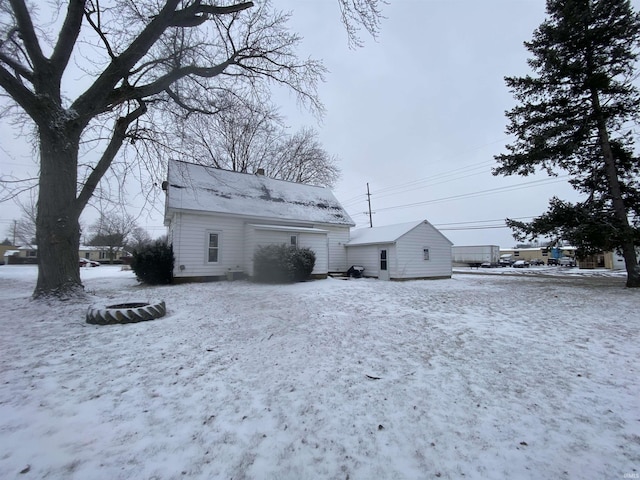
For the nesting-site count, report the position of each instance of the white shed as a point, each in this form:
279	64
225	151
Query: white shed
405	251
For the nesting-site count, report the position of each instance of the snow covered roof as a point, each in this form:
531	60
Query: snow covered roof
282	228
206	189
386	234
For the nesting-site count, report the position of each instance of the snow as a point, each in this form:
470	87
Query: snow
479	376
384	234
204	189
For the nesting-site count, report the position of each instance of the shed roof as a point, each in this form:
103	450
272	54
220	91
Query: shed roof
207	189
386	234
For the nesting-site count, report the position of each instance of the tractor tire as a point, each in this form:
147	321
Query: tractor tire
126	313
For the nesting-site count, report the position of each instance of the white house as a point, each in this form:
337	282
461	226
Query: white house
404	251
216	219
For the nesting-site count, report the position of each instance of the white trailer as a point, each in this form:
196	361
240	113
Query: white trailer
474	255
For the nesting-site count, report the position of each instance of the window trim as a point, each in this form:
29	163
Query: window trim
384	261
208	246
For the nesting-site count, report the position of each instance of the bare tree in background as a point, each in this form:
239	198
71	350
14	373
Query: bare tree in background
247	136
301	158
240	137
138	239
23	230
113	230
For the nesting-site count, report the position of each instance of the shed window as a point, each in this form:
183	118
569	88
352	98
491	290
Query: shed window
293	241
213	248
425	253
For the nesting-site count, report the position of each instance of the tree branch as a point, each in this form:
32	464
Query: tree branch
22	95
20	70
127	92
28	34
196	14
68	36
98	99
119	134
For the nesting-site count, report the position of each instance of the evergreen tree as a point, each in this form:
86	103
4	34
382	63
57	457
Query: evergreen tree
575	116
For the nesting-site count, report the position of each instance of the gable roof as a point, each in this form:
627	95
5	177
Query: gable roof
386	234
207	189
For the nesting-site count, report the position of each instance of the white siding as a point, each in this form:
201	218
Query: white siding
238	239
338	237
410	262
405	257
367	256
317	242
190	244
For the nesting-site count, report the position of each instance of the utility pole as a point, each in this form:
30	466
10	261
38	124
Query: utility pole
14	232
369	202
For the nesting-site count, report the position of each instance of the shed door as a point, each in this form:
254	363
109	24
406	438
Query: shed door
383	271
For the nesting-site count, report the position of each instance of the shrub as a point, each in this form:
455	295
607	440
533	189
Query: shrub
153	264
282	264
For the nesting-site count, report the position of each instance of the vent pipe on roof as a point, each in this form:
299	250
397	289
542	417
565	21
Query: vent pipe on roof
260	171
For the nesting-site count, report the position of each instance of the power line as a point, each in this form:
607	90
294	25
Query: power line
438	176
480	221
534	183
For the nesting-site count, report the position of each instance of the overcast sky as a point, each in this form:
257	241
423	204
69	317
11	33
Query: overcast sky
418	114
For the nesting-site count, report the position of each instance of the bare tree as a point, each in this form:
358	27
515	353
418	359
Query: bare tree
247	136
138	57
113	230
301	158
138	239
23	230
240	137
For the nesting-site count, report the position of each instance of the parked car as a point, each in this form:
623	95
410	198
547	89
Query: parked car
505	262
85	262
553	261
567	262
520	264
486	265
536	262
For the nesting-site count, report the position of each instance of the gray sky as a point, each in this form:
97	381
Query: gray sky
417	113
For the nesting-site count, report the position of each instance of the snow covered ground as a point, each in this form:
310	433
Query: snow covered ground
480	376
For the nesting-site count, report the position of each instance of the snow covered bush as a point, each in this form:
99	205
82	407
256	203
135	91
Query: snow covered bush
282	264
154	264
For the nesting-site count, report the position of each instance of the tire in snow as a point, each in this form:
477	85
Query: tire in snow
126	313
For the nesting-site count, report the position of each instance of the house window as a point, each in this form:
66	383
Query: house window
516	253
425	254
213	248
293	241
102	255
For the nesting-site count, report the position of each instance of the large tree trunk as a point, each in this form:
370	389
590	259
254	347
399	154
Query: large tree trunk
57	224
619	209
